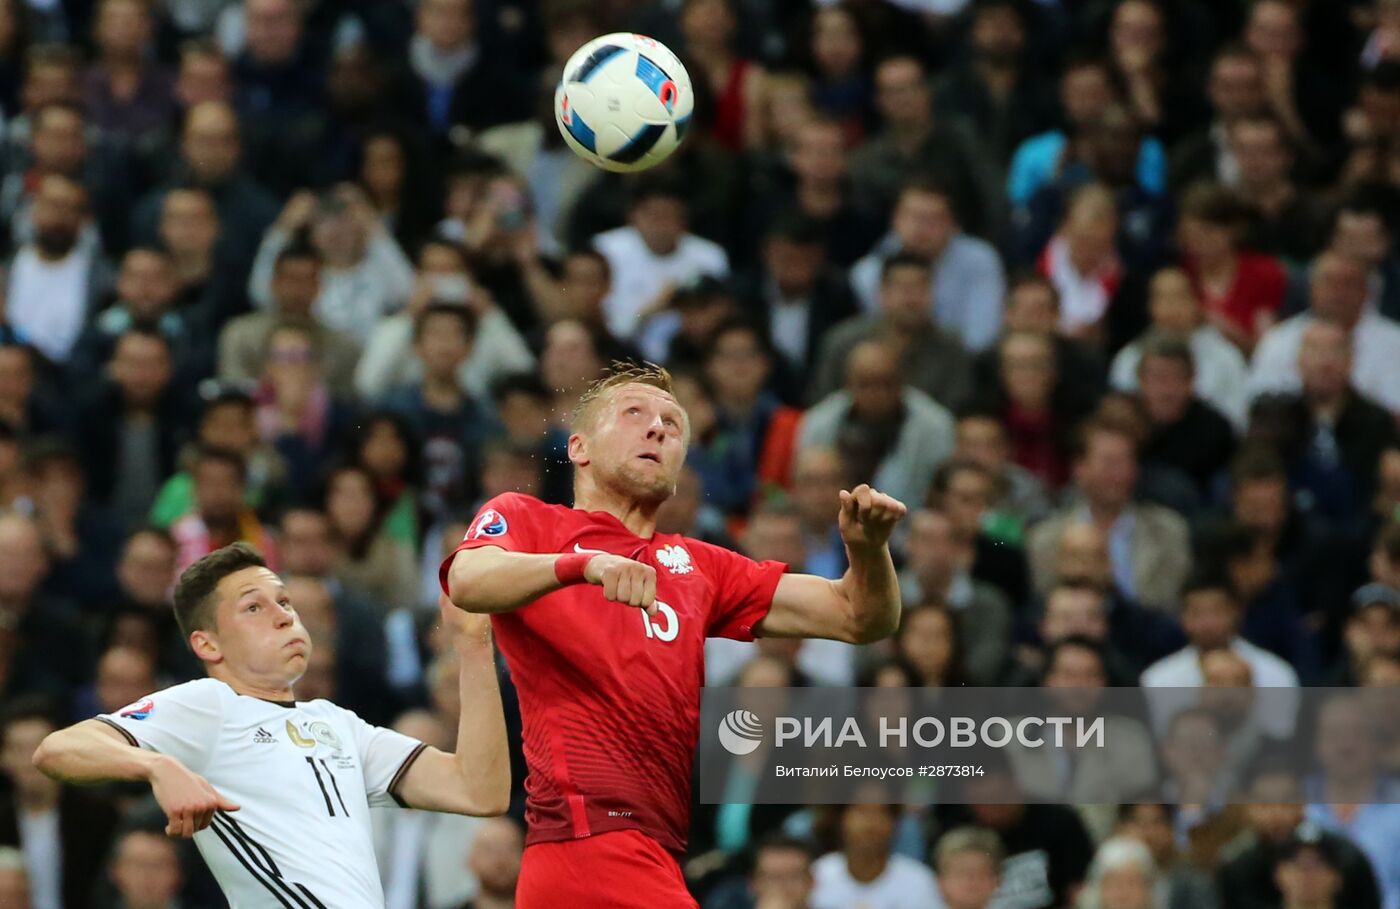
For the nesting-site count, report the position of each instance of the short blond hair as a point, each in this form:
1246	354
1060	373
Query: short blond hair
620	373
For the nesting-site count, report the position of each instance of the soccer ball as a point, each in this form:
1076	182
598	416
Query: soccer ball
624	102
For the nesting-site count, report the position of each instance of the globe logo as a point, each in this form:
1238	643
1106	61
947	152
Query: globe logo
740	732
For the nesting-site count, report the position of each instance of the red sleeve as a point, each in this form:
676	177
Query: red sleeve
743	591
510	521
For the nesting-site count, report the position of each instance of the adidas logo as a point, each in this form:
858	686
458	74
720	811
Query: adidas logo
263	737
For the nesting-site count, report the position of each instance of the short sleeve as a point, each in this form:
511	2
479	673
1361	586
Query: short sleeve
385	757
743	592
510	521
183	722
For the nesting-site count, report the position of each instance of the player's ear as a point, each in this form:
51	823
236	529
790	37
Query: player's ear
578	450
205	646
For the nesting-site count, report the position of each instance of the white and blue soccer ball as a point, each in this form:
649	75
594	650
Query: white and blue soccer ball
624	102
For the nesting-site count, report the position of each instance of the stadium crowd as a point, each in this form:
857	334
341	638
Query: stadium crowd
1107	291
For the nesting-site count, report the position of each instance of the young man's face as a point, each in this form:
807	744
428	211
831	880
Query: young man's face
256	634
1209	619
443	343
636	442
782	877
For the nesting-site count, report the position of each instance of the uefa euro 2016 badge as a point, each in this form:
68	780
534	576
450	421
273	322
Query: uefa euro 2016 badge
490	523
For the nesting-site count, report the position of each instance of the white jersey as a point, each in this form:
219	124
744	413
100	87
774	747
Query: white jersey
304	776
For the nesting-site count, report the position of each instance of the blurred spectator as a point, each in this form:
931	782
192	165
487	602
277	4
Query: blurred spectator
912	141
124	92
1186	433
146	298
366	556
220	515
968	862
207	283
25	405
1027	403
211	158
964	490
145	576
752	422
928	644
297	413
228	422
1273	616
364	274
736	85
449	425
1179	886
1241	291
1363	230
1351	794
450	77
1289	222
63	831
933	360
1246	876
1220	371
1211	616
1082	261
81	539
1346	430
866	872
1122	876
124	676
1148	544
1140	57
968	280
1087	90
1234	89
653	255
130	425
797	293
55	283
145	871
889	433
386	445
1308	875
495	860
389	358
840	53
1019	498
996	89
1372	631
813	181
1304	98
1046	847
935	574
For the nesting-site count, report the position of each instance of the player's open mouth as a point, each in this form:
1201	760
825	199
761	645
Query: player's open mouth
648	456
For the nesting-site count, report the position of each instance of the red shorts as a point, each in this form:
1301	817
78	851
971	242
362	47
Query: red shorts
620	869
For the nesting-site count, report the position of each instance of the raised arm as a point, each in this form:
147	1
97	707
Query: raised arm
95	752
490	579
864	605
475	779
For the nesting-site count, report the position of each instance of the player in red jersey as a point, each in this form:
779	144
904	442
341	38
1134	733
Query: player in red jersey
610	696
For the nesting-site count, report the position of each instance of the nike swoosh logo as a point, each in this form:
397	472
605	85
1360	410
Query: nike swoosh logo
580	549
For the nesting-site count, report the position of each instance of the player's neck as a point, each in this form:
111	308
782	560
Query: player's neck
263	690
638	517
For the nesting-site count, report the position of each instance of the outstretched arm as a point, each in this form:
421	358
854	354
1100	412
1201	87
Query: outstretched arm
491	579
475	779
94	752
864	605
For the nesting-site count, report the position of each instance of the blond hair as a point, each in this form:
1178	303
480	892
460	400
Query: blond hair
620	373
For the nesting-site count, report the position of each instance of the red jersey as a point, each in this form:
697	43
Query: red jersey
609	697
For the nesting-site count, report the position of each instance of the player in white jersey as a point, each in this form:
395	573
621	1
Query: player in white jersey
275	792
